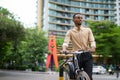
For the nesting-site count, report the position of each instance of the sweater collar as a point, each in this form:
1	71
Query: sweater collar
76	28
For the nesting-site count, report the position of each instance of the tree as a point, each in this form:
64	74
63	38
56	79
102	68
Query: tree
115	50
106	35
20	48
36	47
11	33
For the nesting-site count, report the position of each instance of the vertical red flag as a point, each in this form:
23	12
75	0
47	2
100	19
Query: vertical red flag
53	51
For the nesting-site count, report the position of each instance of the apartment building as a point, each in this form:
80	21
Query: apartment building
56	15
117	12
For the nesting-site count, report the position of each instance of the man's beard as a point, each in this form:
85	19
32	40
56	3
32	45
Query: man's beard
79	24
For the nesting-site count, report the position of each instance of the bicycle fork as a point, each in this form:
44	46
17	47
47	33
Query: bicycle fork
77	69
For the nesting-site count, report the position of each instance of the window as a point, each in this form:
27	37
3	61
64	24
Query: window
106	17
59	27
59	7
52	5
106	12
87	10
51	12
96	18
87	17
52	26
75	3
95	11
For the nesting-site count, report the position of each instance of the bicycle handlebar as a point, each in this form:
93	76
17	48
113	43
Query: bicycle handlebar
76	52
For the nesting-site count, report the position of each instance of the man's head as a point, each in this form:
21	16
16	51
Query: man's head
77	19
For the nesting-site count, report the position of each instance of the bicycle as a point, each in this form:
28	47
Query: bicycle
71	68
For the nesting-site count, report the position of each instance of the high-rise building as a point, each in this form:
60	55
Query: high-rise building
56	15
117	12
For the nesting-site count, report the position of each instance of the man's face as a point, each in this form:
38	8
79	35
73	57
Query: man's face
77	19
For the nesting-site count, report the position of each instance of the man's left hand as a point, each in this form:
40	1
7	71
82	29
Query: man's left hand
92	49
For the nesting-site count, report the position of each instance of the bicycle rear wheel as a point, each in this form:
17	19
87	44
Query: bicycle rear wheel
83	76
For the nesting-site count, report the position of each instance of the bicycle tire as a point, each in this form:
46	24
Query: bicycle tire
66	77
66	74
83	76
69	75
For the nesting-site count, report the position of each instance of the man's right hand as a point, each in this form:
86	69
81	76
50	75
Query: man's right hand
64	50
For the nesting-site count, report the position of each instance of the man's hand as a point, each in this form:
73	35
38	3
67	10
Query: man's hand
92	49
64	49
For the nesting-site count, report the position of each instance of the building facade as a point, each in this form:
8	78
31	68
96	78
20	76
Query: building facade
56	15
117	12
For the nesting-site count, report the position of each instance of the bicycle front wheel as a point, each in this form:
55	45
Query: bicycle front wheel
83	76
69	73
66	76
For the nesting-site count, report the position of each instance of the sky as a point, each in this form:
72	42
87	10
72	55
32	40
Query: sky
24	9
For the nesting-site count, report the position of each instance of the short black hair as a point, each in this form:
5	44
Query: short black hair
75	15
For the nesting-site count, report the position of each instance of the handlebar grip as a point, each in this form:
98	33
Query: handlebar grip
66	52
81	51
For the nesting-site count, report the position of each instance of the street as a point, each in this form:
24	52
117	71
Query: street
28	75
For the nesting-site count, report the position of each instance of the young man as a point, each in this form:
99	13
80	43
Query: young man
82	39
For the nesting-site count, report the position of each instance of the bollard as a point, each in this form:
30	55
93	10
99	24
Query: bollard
61	77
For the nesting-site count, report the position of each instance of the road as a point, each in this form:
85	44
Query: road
26	75
23	75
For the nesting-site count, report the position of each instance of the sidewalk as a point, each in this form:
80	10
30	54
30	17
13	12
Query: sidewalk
29	71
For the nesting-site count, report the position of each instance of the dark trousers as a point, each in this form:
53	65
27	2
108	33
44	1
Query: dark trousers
85	61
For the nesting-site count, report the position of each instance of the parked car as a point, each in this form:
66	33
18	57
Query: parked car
99	70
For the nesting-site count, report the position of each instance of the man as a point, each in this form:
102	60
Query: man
82	39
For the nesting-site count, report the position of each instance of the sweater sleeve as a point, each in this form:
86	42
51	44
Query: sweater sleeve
91	39
67	39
